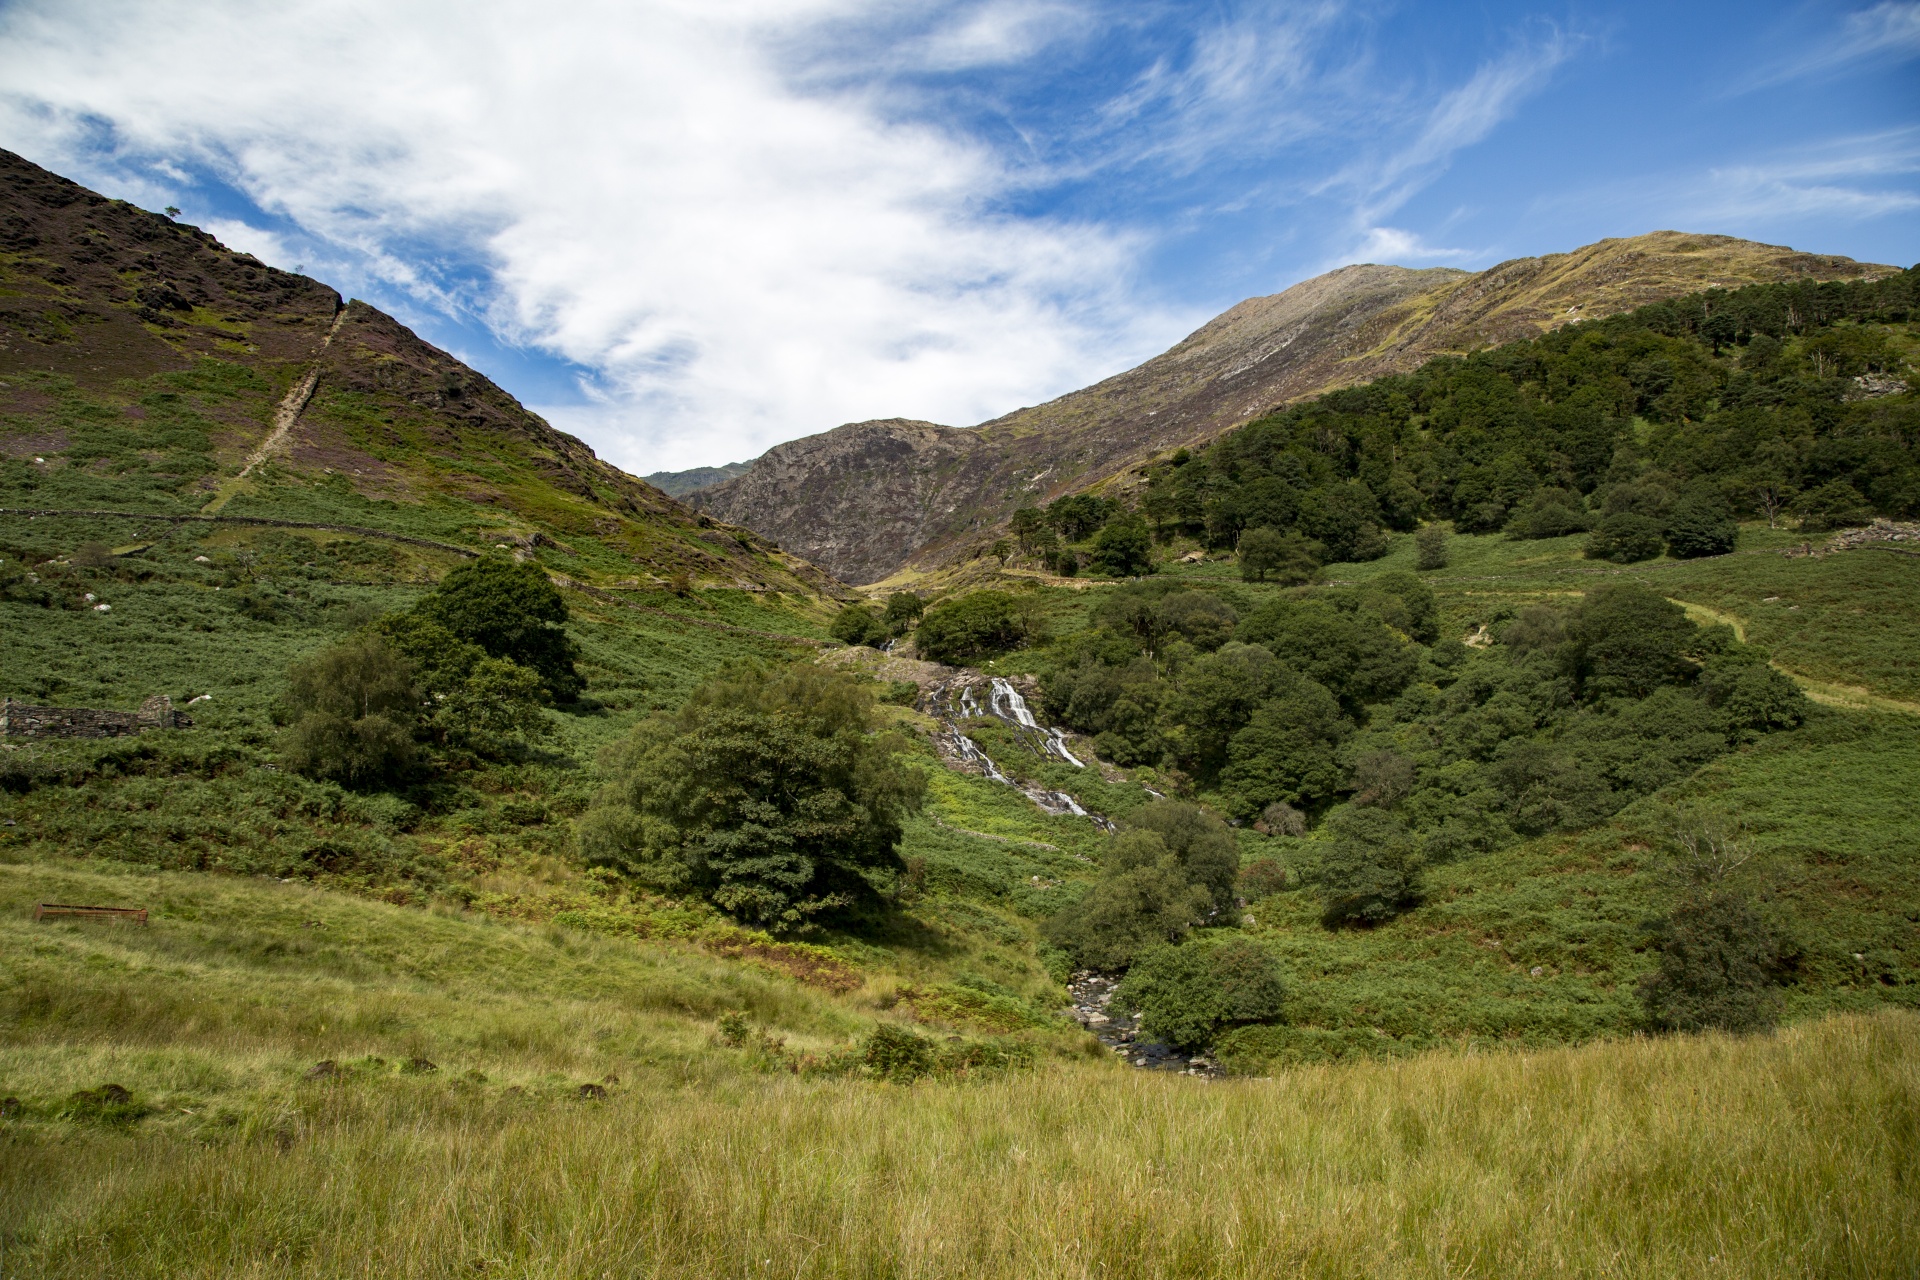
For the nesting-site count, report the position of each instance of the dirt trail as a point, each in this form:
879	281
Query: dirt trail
1826	692
284	418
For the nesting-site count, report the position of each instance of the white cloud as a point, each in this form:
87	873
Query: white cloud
1391	244
1889	30
1843	178
1457	120
738	263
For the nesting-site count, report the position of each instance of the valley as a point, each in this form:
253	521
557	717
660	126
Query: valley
690	911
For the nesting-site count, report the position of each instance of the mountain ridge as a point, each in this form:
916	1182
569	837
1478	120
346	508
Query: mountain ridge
1342	327
262	387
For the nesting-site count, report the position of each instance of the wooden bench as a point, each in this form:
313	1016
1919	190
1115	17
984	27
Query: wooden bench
55	910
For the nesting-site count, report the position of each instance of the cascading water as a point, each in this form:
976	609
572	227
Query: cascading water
1005	704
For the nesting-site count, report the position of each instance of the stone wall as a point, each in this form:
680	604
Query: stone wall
18	720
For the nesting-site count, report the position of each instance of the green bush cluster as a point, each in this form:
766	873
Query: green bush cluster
1172	869
1538	437
971	627
1187	995
1331	702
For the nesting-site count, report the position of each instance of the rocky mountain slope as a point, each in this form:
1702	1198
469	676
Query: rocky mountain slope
677	484
146	365
871	498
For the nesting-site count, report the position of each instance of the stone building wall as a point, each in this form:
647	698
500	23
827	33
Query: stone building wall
18	720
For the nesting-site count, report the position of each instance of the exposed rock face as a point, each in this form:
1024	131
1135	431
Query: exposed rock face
860	498
868	499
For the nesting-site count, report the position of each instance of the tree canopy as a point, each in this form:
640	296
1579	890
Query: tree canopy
768	792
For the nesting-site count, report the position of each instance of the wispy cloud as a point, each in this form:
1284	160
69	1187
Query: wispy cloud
1847	178
1888	31
1460	118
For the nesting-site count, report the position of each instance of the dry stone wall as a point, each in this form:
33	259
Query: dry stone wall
18	720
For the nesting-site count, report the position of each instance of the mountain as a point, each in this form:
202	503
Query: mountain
869	499
678	484
151	368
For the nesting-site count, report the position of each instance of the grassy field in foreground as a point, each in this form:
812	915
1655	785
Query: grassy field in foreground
1789	1155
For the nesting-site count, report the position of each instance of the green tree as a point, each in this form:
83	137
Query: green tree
1834	505
1187	995
1700	526
1025	525
1203	844
1079	515
1289	751
1216	697
903	610
1345	519
1292	559
769	793
1430	548
490	706
858	624
1143	898
1627	641
967	628
512	611
1123	549
1351	652
351	711
1720	966
1625	538
1367	872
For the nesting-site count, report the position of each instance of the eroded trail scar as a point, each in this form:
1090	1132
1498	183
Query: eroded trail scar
285	415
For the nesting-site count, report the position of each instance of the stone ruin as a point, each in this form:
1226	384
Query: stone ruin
18	720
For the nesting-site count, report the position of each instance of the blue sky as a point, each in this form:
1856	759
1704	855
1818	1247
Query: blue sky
689	229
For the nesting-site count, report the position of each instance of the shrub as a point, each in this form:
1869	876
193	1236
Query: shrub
512	611
1430	548
1720	967
1367	873
1753	697
897	1054
858	624
1187	995
767	793
352	710
1625	538
970	627
1143	897
1552	513
1279	819
1261	878
1700	526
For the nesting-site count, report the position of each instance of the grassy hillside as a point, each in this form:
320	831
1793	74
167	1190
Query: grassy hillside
404	1029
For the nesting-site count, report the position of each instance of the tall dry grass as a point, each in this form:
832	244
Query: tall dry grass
1791	1155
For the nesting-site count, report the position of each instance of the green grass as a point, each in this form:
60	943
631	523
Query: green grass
1457	1133
1772	1156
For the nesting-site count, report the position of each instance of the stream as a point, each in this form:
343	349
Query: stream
965	698
1092	1008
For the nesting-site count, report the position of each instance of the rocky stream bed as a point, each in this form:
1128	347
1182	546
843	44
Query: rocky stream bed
1092	1008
